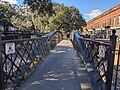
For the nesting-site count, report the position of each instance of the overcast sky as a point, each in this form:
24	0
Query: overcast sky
88	8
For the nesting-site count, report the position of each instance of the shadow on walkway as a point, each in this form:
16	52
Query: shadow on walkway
60	70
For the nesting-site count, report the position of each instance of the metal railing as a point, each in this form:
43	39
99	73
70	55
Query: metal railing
28	52
99	58
116	71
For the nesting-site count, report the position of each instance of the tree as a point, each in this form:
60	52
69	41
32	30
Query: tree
66	18
40	12
41	15
22	23
22	19
6	12
42	7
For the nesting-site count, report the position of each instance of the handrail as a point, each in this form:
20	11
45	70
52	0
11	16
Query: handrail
25	39
99	42
54	32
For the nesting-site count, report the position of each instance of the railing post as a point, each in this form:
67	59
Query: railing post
113	38
1	68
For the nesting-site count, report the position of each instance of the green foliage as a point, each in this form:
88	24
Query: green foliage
23	23
42	7
40	12
6	12
66	18
22	19
41	15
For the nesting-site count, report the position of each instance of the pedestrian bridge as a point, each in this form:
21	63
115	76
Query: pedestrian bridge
56	63
62	69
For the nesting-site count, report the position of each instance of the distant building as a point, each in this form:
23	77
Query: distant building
105	22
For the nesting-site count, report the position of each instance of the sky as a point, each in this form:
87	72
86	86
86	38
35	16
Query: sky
88	8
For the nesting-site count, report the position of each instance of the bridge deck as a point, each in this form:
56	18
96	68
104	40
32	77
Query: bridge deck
60	70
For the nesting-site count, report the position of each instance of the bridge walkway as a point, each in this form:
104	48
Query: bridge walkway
62	69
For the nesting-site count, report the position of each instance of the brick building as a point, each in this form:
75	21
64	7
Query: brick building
104	23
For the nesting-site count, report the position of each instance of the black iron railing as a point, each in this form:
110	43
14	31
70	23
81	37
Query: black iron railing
28	52
99	58
116	71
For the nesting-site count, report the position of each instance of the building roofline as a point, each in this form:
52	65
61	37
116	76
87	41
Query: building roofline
106	12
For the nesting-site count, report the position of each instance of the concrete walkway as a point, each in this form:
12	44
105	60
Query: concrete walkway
60	70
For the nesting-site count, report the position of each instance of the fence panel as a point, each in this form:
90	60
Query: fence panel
100	56
28	53
116	71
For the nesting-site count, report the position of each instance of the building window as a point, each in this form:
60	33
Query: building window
110	23
114	20
95	25
101	24
107	22
119	20
98	25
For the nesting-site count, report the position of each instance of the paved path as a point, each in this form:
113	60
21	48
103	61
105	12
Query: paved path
61	70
